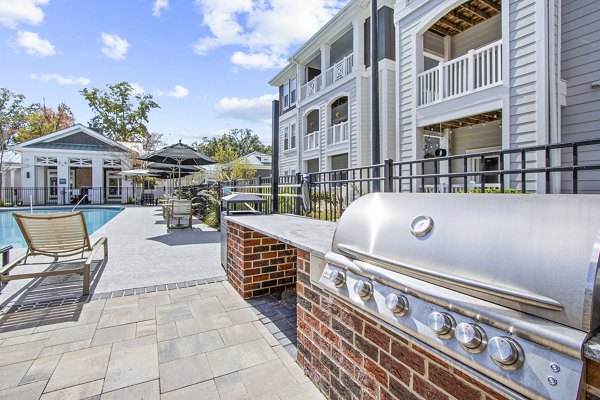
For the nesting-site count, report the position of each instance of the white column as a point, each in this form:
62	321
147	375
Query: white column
358	43
27	168
97	194
325	60
62	175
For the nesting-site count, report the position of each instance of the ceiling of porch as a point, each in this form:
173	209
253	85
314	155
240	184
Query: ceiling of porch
464	122
465	16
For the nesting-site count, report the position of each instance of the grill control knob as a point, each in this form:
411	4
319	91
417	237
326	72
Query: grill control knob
505	352
338	278
396	304
441	323
363	289
470	336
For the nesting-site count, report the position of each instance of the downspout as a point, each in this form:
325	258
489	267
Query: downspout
375	144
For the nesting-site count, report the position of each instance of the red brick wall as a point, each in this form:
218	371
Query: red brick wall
350	356
257	264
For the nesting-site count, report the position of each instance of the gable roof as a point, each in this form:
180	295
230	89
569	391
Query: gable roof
76	137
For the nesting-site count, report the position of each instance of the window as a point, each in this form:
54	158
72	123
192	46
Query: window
293	136
286	95
292	91
286	138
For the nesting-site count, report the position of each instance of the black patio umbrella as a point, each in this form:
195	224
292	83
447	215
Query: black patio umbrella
180	155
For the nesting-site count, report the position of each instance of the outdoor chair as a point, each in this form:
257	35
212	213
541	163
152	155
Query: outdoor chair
58	236
179	209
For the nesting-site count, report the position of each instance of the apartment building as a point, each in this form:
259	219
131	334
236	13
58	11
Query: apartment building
324	94
462	77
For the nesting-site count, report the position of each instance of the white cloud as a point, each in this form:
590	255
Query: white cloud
266	29
179	92
159	5
114	46
33	44
257	60
14	12
61	80
254	110
137	88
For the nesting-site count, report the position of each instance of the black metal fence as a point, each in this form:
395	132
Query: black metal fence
556	168
51	196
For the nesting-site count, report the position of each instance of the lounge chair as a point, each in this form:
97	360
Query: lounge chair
58	236
179	209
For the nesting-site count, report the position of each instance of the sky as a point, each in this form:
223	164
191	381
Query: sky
207	63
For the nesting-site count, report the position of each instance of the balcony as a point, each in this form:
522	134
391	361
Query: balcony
338	133
310	88
339	70
311	141
477	70
335	73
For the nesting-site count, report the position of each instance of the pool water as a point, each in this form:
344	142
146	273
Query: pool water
94	219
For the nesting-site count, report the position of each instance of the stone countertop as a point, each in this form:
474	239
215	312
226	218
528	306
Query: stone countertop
312	235
591	349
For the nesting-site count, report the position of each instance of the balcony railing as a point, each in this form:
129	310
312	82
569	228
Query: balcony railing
311	141
311	87
339	70
476	70
338	133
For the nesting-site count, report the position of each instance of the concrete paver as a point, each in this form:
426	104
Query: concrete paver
184	372
210	343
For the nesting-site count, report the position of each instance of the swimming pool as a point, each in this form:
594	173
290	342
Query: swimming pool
94	219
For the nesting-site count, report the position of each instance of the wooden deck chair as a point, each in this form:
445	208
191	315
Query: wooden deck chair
179	209
57	235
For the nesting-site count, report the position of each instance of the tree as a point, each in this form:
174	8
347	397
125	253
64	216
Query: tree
231	167
119	113
12	113
239	141
41	120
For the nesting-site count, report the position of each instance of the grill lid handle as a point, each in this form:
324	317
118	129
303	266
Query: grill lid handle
422	273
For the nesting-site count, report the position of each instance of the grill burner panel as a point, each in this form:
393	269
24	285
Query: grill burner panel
534	363
505	284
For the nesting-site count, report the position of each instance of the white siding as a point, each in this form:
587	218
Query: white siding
580	67
288	160
477	36
476	137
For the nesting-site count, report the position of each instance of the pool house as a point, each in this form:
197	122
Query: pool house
71	165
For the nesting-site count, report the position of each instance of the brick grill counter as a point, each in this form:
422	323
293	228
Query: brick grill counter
345	352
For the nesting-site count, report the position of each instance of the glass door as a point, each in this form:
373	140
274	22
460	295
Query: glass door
113	185
52	180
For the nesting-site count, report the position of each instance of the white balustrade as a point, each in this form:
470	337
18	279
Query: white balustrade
338	133
311	141
339	70
476	70
311	87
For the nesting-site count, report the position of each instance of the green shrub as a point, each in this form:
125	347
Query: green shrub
129	200
2	203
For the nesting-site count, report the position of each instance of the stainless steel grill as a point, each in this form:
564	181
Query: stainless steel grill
505	284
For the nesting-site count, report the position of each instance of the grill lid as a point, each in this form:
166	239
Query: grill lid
533	253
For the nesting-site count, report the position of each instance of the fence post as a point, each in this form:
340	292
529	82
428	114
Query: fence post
297	198
388	171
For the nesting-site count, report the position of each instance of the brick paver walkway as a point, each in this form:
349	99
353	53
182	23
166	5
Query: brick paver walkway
201	342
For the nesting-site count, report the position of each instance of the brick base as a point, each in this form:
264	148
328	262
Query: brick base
258	265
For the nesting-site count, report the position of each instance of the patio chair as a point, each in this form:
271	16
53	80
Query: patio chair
179	209
59	235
